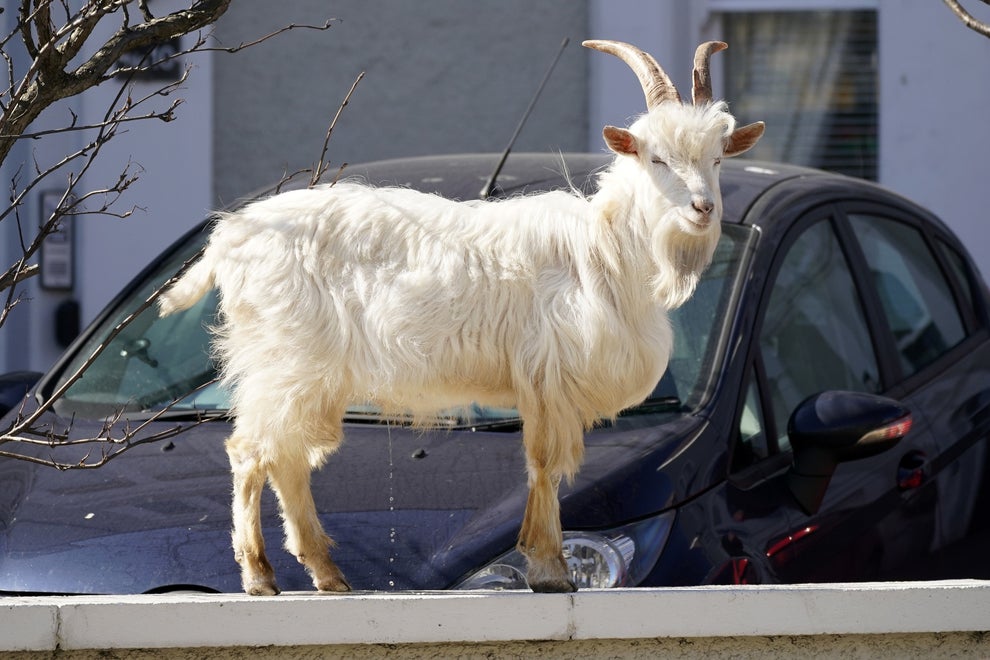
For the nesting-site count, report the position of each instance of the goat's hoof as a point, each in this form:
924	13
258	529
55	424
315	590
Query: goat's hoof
549	576
262	587
335	583
334	587
553	587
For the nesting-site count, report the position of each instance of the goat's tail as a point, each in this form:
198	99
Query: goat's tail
189	288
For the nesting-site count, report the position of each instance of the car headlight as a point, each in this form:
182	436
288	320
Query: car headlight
618	557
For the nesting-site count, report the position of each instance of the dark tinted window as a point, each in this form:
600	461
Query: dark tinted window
753	444
915	296
814	335
961	272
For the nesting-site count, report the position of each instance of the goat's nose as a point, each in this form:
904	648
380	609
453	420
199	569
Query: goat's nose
703	206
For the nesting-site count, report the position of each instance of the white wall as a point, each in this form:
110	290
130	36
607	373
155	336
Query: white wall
17	324
870	620
27	338
663	29
173	191
934	97
443	76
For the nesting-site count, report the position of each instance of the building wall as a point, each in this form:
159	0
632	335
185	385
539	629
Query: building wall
667	30
17	328
442	76
29	323
934	95
173	192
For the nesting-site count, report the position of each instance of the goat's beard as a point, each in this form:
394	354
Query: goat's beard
680	260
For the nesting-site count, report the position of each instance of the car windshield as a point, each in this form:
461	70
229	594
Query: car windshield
155	363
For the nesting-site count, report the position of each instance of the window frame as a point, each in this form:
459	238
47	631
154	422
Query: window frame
964	282
717	10
897	384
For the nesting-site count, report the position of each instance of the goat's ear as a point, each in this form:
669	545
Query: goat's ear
742	139
620	141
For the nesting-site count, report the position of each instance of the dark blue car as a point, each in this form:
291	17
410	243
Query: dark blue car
836	318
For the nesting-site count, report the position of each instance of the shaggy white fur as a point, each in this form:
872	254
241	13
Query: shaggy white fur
553	303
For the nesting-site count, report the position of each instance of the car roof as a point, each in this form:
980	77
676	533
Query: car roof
462	176
744	182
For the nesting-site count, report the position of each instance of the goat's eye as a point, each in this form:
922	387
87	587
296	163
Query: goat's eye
718	161
656	160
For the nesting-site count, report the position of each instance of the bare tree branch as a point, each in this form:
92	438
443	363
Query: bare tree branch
119	112
30	429
968	19
55	34
49	78
19	272
322	165
116	437
292	26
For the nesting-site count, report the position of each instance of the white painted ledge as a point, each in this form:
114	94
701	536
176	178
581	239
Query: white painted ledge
308	619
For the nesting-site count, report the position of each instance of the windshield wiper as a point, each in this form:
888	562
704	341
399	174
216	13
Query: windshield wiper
472	417
182	415
660	404
372	416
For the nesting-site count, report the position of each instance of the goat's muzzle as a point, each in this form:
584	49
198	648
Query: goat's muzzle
698	218
703	206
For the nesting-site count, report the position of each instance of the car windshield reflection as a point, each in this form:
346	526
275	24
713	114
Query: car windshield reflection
157	363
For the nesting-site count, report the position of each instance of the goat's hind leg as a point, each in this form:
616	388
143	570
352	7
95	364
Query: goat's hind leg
304	535
257	575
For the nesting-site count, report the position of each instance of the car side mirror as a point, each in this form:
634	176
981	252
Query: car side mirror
837	426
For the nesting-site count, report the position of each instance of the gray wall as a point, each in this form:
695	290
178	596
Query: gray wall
441	76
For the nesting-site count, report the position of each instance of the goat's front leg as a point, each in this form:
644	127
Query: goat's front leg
257	575
304	535
541	539
549	455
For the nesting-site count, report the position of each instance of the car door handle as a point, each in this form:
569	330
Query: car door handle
912	471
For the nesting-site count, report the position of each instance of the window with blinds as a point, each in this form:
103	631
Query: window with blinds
812	76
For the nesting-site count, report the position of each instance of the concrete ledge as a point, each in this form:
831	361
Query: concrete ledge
194	621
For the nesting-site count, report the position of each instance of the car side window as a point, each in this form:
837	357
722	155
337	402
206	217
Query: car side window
814	335
752	445
961	271
914	294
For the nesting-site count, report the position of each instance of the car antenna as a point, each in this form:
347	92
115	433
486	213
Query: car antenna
489	188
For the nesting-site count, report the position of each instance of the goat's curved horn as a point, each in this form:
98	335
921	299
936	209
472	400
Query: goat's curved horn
702	92
656	85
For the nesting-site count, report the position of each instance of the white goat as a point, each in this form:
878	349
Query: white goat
554	303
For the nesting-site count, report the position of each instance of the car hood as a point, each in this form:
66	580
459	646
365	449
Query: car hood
408	508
